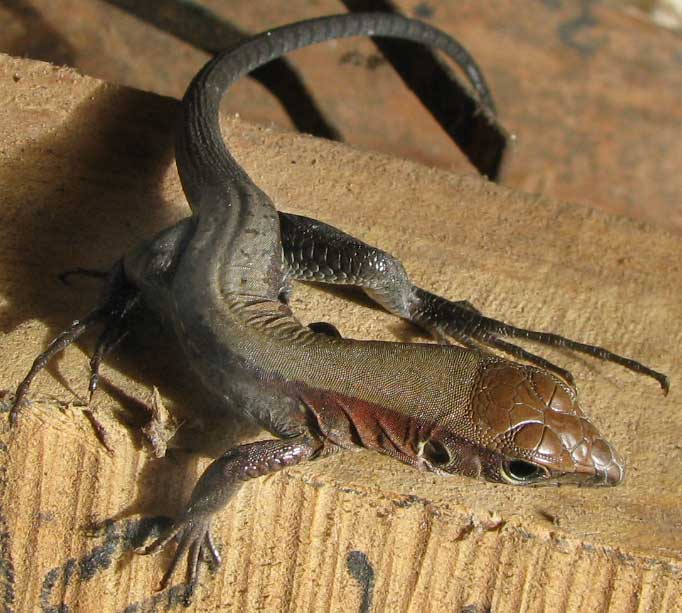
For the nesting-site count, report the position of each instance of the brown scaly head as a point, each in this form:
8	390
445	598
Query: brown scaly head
451	411
533	433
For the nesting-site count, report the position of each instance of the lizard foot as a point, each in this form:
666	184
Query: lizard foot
468	326
214	489
118	299
194	541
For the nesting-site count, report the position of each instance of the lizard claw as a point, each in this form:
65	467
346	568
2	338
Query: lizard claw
468	326
194	541
119	298
15	408
211	548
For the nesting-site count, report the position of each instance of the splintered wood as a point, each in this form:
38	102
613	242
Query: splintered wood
86	171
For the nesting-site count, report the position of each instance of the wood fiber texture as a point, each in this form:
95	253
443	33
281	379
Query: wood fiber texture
86	172
592	90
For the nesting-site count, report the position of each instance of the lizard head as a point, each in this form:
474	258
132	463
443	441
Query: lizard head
533	430
452	411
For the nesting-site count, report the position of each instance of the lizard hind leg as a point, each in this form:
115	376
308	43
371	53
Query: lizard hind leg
121	297
118	298
315	251
433	312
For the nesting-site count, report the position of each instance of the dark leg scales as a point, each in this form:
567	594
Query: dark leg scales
315	251
118	298
216	486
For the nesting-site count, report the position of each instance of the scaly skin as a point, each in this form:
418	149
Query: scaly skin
218	277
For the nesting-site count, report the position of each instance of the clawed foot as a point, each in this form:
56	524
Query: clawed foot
461	321
194	541
118	300
464	323
214	489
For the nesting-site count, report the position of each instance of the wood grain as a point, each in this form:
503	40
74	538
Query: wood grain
86	171
593	91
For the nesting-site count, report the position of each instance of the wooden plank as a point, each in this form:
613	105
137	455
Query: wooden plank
592	91
86	171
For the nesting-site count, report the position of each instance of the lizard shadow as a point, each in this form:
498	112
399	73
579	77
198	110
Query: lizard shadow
86	193
209	32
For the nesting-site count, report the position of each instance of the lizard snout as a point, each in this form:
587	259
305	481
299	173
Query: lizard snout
606	463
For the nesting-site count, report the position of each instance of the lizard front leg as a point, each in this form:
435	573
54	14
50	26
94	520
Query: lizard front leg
216	486
118	299
315	251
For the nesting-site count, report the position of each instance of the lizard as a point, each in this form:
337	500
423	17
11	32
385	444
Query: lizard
221	278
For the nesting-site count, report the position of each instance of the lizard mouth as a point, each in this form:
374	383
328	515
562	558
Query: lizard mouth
595	474
602	467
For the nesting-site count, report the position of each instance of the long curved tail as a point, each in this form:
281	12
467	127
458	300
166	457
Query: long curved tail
204	162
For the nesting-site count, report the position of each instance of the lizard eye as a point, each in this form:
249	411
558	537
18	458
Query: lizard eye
520	471
436	453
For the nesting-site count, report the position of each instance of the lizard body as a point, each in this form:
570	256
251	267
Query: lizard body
221	278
